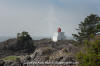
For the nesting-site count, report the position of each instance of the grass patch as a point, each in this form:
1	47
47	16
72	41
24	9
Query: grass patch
10	58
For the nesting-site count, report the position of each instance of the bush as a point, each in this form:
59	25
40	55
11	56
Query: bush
25	42
91	54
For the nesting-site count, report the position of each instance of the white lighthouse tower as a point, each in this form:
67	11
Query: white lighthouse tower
59	35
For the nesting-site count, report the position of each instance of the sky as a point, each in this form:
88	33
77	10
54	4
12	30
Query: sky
43	17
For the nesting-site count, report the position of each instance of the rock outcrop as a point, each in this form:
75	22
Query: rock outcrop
46	51
13	47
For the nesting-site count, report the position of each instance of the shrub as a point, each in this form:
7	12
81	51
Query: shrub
25	42
91	54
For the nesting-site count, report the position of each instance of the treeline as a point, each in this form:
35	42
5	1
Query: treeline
88	36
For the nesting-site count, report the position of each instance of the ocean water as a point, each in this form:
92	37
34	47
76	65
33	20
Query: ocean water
4	38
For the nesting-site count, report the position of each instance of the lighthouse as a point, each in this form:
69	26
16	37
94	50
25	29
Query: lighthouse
59	35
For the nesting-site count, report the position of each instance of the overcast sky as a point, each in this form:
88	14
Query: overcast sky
42	17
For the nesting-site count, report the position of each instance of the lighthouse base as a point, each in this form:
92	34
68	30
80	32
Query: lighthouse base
58	36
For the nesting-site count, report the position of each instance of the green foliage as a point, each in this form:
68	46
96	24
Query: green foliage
90	26
24	41
10	58
90	56
24	36
98	26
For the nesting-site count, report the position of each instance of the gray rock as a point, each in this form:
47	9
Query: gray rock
8	63
2	63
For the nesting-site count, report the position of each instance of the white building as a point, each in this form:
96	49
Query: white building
58	35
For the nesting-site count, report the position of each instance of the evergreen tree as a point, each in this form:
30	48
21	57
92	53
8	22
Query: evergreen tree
24	41
90	26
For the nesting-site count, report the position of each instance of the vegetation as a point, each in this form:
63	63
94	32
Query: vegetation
24	41
90	26
13	58
91	54
24	36
88	35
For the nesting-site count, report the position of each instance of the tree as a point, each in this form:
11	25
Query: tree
24	36
90	25
25	42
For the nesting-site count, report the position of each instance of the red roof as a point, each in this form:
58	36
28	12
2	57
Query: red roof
59	29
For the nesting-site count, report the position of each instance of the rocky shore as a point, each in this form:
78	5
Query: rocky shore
44	51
